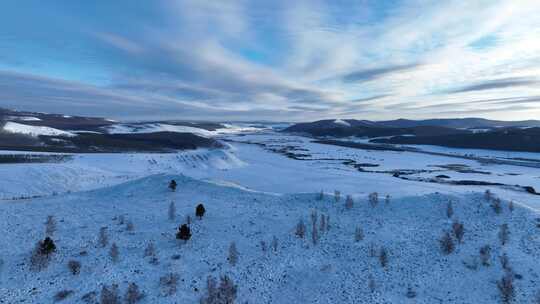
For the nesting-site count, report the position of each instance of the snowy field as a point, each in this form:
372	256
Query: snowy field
256	190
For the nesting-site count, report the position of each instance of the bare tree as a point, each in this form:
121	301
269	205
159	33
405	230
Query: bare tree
511	206
327	222
488	195
133	294
383	257
274	244
323	223
74	267
505	263
300	229
320	196
485	255
506	288
449	210
314	217
373	199
264	247
172	211
504	234
314	234
225	293
337	195
446	243
150	251
103	238
371	284
130	226
114	253
109	295
496	205
233	254
50	226
358	234
168	284
349	202
458	230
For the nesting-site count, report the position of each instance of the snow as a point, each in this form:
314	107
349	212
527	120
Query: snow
251	194
23	118
162	127
35	131
342	122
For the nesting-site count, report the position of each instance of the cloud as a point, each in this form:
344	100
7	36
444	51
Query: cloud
497	84
375	73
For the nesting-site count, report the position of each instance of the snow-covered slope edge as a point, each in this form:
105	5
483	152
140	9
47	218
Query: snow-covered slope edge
336	269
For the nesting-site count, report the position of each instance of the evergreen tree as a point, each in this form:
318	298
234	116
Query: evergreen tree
184	233
200	211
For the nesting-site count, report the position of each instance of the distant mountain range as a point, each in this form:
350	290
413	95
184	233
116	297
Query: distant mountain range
461	133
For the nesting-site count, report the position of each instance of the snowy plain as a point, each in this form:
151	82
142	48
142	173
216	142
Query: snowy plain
252	194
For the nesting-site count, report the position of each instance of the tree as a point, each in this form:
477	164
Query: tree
506	288
504	234
172	185
47	246
323	223
485	255
488	195
233	254
109	296
184	233
349	202
172	211
114	253
225	293
458	230
337	195
320	196
446	243
314	233
200	211
358	234
387	199
50	226
373	199
133	295
449	210
274	244
103	239
511	206
74	267
300	229
383	257
496	205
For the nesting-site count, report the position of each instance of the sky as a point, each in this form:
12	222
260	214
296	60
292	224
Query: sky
278	60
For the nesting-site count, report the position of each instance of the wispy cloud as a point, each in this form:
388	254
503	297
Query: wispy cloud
296	60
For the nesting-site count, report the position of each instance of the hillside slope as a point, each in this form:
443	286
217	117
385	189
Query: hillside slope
336	269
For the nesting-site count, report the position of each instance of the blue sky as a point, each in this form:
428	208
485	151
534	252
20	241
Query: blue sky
272	60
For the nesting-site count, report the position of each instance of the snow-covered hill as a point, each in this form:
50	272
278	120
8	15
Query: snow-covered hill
13	127
337	268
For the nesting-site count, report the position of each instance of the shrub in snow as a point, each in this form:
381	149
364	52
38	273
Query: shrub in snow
446	243
496	205
90	297
410	293
449	210
225	293
233	254
109	295
200	211
103	238
74	267
172	211
50	226
133	294
373	199
504	234
506	288
172	185
184	233
383	257
349	202
62	295
358	234
168	284
337	195
485	255
458	230
114	253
